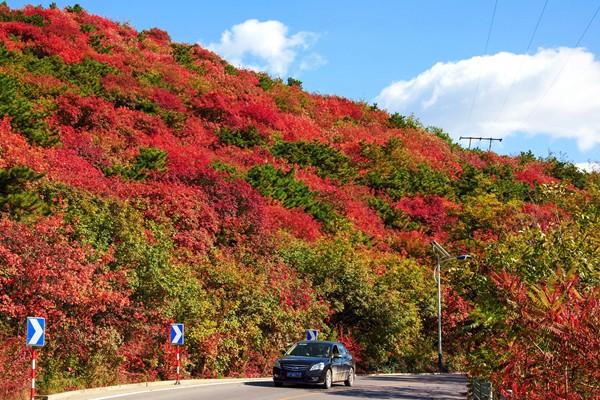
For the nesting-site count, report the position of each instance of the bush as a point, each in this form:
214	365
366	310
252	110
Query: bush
149	160
397	120
282	186
244	138
294	82
15	197
327	161
23	113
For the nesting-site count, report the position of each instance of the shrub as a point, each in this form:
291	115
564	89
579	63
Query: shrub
244	138
294	82
392	217
397	120
23	113
149	160
15	197
327	161
282	186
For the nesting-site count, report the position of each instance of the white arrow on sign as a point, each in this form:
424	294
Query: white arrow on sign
178	334
38	331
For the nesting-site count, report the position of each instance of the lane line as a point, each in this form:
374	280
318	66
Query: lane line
116	396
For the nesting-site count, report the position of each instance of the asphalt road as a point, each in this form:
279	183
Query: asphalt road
413	387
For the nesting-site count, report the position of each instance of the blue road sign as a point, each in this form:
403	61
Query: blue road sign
312	334
36	331
177	334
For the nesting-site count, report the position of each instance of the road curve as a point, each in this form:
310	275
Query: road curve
414	387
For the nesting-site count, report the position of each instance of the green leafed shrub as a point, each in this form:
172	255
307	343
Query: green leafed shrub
149	160
230	69
327	161
282	186
397	120
392	217
24	117
294	82
15	197
184	54
265	82
244	138
567	171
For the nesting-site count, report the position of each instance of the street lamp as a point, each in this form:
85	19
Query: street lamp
443	257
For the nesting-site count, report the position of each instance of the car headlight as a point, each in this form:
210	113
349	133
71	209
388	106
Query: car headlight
317	367
277	365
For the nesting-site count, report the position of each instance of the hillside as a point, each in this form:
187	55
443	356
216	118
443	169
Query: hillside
144	182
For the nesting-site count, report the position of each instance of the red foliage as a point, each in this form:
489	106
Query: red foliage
167	100
545	215
555	351
14	150
534	174
159	35
46	274
350	343
437	213
295	221
14	366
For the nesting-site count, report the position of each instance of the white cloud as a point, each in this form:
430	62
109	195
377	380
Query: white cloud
266	46
513	97
589	166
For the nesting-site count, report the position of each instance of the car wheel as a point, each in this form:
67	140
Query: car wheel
277	384
350	380
328	380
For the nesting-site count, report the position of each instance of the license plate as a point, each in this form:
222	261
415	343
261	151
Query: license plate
294	374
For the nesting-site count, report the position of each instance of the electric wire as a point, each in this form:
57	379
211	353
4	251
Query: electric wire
487	42
549	88
537	25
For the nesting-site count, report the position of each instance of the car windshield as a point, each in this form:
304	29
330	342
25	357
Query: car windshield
310	350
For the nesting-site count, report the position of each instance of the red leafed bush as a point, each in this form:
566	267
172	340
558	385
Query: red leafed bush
167	100
551	347
159	35
534	174
545	215
14	149
15	366
295	221
437	213
353	346
44	273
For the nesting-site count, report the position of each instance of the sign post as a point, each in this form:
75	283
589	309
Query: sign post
177	341
36	335
312	334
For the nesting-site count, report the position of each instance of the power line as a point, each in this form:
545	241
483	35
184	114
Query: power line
487	42
537	25
534	109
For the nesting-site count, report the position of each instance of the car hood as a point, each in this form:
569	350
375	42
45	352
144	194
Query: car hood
302	360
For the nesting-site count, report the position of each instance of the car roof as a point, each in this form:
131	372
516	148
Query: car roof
319	341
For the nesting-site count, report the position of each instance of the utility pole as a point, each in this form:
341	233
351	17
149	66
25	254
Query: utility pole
489	139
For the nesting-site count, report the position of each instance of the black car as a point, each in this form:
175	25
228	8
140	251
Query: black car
315	362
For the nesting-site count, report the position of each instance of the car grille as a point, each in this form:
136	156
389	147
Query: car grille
295	367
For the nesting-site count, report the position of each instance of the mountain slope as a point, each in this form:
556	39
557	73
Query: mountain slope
144	182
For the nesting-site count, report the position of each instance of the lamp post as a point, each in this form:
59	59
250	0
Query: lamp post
443	257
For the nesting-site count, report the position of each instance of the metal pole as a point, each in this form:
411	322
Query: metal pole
439	287
33	360
178	364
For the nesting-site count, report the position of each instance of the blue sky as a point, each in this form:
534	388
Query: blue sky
384	51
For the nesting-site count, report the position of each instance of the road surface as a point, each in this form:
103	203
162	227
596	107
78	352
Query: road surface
413	387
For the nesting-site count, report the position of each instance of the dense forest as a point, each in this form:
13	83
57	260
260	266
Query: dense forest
144	182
